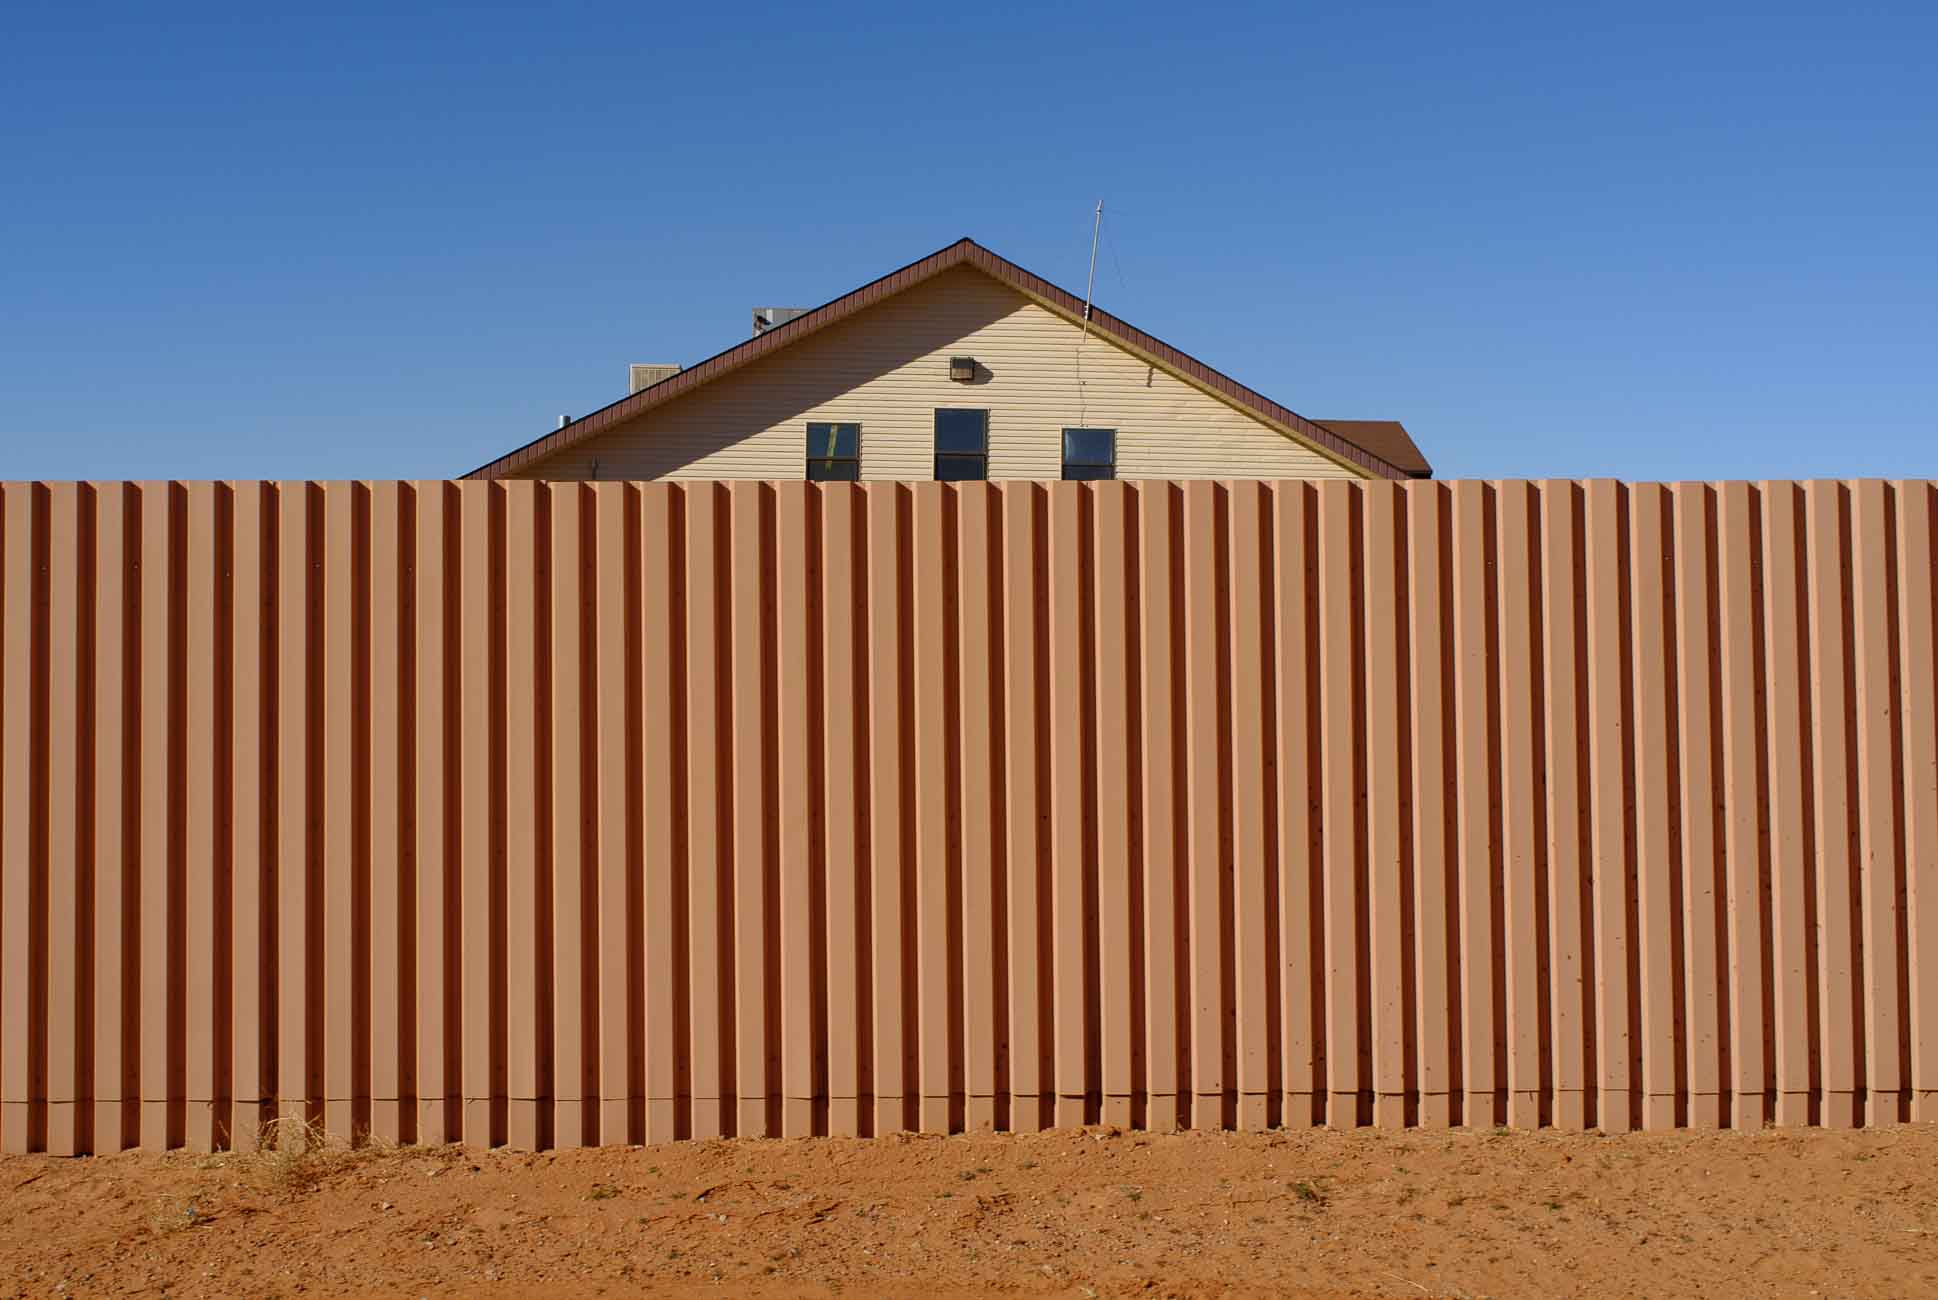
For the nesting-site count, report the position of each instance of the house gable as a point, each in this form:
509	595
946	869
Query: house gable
886	368
964	252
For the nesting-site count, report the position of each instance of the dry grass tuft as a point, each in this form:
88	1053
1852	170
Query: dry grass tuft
295	1155
170	1216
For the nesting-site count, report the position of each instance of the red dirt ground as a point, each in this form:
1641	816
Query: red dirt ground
1073	1213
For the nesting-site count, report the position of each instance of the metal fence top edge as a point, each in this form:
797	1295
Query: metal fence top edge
1418	485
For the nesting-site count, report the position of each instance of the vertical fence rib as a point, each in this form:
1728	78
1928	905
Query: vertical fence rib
1300	866
338	919
159	776
1430	692
660	801
1339	569
1250	774
432	649
64	830
978	827
751	1011
573	939
611	719
1917	557
1157	608
1741	789
522	807
1522	845
19	1121
1382	511
1839	1006
844	805
1879	783
1705	1041
1789	790
389	878
1655	831
931	806
1205	806
114	811
1475	794
709	1044
475	813
1604	523
1111	667
1023	798
1066	855
1566	729
888	799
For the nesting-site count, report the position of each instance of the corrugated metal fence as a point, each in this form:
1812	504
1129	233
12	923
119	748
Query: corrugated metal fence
609	812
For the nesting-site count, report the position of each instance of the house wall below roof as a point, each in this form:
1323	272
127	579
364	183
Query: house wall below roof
887	369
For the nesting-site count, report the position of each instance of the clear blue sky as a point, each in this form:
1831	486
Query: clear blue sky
1655	241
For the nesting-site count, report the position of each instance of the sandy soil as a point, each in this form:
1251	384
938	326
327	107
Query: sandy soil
1086	1213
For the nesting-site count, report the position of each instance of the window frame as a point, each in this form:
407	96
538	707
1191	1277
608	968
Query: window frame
1108	466
955	456
852	463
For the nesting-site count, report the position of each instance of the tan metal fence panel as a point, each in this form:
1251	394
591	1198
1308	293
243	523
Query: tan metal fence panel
553	814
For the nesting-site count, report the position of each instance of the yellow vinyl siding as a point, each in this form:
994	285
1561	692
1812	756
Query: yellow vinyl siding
887	369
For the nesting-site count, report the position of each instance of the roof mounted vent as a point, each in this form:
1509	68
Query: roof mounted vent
646	376
766	318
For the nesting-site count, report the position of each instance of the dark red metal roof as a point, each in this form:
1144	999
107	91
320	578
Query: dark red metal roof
1387	439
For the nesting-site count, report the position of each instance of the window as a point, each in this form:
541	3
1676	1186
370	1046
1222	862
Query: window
1089	453
833	453
961	444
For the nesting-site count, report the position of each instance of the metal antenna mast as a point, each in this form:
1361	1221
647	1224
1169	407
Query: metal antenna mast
1090	285
1089	288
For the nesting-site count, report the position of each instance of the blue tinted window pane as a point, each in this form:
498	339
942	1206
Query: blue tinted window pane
833	471
1079	472
961	431
955	468
840	441
1088	446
